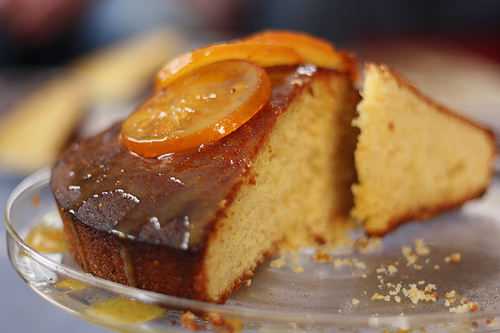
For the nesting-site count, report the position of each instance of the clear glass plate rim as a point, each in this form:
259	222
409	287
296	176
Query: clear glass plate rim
42	177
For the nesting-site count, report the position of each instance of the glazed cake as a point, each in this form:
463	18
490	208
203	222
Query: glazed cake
414	158
196	223
247	146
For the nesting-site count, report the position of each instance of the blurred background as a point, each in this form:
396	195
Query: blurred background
69	68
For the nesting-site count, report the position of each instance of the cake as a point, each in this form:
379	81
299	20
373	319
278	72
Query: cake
249	146
414	158
197	223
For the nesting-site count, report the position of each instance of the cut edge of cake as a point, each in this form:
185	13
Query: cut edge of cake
303	207
386	95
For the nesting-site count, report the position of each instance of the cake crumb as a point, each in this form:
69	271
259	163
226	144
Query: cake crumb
464	308
421	248
355	301
321	257
248	282
411	258
370	245
342	262
416	295
437	267
225	325
451	294
188	321
391	269
377	297
278	263
453	258
35	200
359	264
297	269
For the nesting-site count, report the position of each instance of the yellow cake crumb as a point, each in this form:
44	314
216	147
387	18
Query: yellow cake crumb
391	269
321	256
411	258
377	297
421	248
278	263
188	321
370	245
466	307
453	258
225	324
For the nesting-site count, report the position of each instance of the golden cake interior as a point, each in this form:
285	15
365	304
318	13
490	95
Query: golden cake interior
300	181
414	158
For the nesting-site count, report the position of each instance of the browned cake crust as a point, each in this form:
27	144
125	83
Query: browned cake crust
425	213
111	200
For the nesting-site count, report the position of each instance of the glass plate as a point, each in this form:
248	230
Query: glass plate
324	297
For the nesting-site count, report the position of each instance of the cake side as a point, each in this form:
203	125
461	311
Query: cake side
141	265
299	182
152	217
413	155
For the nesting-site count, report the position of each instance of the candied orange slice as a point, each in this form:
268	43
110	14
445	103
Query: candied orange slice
199	108
313	50
262	55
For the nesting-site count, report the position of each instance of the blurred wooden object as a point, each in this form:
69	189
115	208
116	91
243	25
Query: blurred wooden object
40	125
32	135
123	71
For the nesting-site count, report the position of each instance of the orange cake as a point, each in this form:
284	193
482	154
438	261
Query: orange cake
414	158
196	222
247	145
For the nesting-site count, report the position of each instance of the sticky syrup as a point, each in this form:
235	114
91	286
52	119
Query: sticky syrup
70	284
122	310
46	239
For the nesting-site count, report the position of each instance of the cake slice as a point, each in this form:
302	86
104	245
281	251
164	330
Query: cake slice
414	158
197	223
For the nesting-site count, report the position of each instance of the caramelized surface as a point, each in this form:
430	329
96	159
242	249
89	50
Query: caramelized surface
172	200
